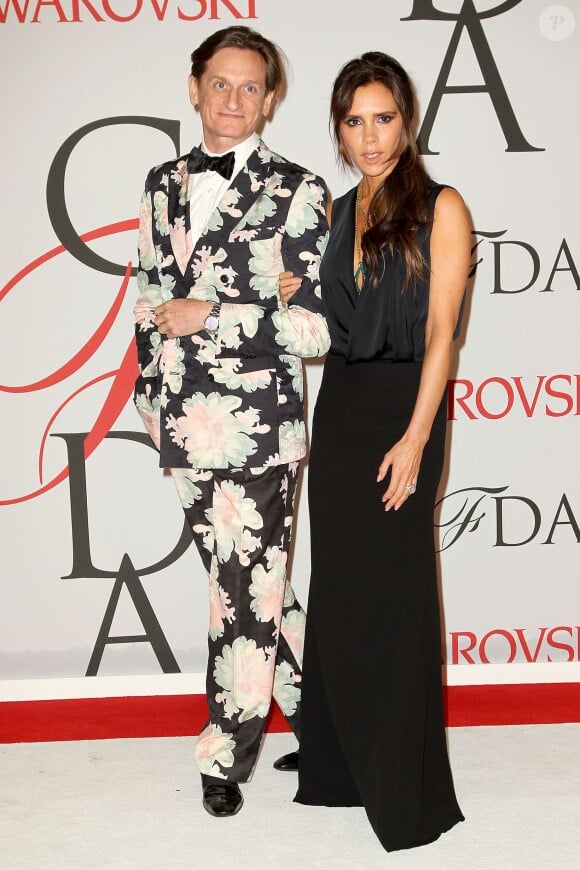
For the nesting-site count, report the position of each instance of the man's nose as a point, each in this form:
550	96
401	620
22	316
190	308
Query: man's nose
233	99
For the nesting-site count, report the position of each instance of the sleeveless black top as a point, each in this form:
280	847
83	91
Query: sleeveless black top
380	323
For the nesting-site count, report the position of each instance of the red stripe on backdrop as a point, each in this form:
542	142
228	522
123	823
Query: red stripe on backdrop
525	704
185	715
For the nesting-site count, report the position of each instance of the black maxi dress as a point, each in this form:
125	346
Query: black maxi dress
372	731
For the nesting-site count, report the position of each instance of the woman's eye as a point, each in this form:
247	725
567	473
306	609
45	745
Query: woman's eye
353	122
384	119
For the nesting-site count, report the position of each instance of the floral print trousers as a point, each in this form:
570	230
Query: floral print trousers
242	525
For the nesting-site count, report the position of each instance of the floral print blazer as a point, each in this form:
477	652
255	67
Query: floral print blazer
235	398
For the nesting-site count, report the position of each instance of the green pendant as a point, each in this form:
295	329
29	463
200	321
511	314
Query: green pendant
360	273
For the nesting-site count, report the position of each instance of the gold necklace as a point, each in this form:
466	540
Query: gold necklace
361	223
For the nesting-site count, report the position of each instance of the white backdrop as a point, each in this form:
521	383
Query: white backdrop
510	514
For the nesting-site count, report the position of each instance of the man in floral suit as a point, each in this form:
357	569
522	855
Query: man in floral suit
220	385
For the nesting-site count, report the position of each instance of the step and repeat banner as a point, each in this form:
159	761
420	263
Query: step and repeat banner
98	574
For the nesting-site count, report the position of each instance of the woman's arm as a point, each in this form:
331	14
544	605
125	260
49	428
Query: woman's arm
450	258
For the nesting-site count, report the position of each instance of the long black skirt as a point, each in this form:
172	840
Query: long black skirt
372	731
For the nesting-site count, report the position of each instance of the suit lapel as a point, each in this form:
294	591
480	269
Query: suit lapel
233	212
233	217
179	189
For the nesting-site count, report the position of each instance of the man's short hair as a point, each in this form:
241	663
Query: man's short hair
246	38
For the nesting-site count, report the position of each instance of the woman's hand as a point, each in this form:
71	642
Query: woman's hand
289	285
404	460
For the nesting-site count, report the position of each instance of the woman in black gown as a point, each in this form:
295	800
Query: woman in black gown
393	279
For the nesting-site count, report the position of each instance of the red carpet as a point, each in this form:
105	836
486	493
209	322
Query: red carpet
184	715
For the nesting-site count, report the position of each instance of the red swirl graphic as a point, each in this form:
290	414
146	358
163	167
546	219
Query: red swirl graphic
123	378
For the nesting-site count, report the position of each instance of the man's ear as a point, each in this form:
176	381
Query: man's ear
193	94
268	103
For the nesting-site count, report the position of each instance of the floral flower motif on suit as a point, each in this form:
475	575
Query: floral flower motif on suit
271	218
225	411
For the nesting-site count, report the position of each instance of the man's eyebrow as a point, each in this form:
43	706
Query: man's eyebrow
245	81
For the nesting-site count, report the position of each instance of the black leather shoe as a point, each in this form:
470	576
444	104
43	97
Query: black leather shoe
287	762
222	799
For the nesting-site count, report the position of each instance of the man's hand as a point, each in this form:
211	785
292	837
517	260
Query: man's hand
181	316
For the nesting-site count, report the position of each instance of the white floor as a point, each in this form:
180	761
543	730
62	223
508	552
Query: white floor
135	805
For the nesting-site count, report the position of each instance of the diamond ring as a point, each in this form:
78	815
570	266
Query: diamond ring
411	488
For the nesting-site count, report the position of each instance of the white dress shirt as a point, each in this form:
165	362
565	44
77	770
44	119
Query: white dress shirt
209	186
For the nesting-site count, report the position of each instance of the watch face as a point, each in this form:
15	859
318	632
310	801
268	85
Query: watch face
211	322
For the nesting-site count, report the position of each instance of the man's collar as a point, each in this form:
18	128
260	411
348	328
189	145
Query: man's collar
244	148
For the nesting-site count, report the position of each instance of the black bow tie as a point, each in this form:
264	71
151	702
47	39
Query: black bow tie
199	161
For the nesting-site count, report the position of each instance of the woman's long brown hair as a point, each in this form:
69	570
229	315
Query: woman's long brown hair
400	206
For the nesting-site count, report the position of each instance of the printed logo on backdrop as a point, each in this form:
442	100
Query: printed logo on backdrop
560	643
122	11
527	269
496	397
469	22
518	266
507	520
81	445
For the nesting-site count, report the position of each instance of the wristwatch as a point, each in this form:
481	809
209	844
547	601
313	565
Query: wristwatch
212	321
